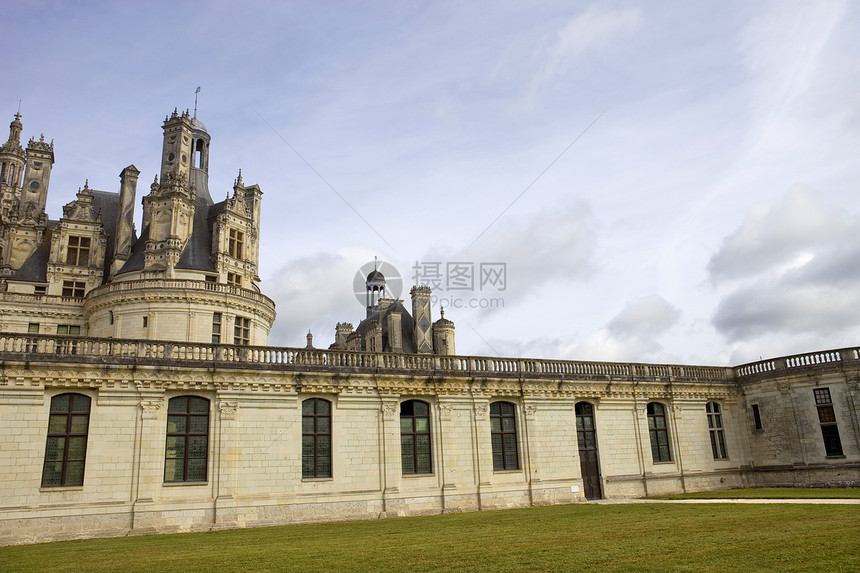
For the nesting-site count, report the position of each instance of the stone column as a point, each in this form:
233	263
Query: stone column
482	447
149	460
390	456
225	461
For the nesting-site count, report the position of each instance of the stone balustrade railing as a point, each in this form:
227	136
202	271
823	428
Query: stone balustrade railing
822	357
160	284
35	347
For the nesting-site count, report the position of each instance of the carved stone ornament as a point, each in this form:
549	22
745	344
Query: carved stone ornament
227	409
446	411
389	410
531	410
150	407
482	410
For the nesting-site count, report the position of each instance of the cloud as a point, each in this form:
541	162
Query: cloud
774	236
591	30
795	270
550	245
314	293
646	317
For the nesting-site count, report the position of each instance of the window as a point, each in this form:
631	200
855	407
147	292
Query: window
110	317
145	321
66	449
73	289
503	432
235	243
316	438
234	279
827	418
242	331
586	435
32	328
216	328
756	417
40	289
715	428
66	346
187	439
659	433
78	251
415	453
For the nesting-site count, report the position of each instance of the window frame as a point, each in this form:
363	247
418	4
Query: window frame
67	435
716	430
316	436
658	425
217	326
828	423
241	331
78	254
74	289
756	412
236	243
501	459
188	415
415	462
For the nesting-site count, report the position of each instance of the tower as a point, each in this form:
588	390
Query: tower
40	159
421	315
169	208
375	285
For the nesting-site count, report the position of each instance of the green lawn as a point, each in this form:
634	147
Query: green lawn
634	537
772	493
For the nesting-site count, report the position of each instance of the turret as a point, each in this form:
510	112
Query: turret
124	234
443	335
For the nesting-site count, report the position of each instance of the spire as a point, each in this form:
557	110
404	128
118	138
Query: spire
197	91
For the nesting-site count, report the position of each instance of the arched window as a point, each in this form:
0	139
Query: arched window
415	451
659	432
187	439
66	450
715	429
316	438
503	432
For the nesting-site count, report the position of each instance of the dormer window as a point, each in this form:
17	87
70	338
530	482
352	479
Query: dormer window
78	252
73	289
234	279
236	243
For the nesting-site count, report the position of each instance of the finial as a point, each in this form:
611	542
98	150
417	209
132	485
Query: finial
19	109
374	262
442	311
42	138
86	184
238	179
197	91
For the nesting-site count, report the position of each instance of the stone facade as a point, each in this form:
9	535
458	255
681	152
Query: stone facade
149	402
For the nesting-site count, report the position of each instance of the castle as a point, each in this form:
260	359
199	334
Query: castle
138	392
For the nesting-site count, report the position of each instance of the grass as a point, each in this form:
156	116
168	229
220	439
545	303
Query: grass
640	537
771	493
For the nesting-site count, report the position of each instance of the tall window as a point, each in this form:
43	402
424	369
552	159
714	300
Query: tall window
503	432
586	435
827	418
235	243
216	328
756	417
715	428
415	452
66	346
73	289
242	331
78	251
66	449
659	432
187	439
32	328
316	438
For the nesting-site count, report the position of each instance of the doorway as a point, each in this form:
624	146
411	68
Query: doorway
589	463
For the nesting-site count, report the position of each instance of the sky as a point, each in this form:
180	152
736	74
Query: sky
670	182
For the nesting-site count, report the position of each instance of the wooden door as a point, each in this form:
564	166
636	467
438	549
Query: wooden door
589	462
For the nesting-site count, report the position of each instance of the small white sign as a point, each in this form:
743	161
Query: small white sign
574	489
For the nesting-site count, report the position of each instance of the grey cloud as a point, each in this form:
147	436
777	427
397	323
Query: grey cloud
550	245
769	307
774	236
801	265
645	317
